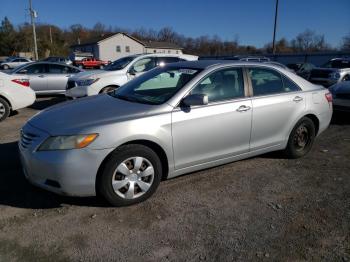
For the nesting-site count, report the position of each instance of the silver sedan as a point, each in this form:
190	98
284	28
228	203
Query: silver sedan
46	77
172	120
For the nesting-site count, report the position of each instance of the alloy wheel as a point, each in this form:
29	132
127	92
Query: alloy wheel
2	110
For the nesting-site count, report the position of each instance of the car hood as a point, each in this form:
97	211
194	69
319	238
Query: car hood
94	74
87	114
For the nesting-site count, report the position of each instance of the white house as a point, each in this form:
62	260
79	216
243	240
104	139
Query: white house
113	46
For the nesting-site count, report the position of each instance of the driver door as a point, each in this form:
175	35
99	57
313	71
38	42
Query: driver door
141	66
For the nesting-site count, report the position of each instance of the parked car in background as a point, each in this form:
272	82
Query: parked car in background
255	59
280	65
91	63
118	73
46	77
341	96
175	119
58	59
302	69
334	71
15	93
13	62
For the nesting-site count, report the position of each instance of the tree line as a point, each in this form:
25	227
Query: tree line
53	40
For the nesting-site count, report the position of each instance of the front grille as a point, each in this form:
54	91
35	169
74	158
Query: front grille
70	84
343	96
319	73
27	139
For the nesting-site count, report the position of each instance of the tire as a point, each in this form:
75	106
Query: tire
5	67
4	109
131	184
108	89
301	138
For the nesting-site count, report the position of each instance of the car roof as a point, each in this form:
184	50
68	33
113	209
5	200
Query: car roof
203	64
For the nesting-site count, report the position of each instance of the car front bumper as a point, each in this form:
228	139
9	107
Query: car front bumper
65	172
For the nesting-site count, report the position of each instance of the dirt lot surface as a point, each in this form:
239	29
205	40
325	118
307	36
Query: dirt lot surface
262	209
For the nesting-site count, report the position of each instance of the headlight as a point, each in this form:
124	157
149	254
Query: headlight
335	75
87	82
67	142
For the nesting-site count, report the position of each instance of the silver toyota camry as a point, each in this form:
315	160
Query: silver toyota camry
172	120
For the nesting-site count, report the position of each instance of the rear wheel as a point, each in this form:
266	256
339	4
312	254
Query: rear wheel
4	109
108	89
131	175
301	138
5	67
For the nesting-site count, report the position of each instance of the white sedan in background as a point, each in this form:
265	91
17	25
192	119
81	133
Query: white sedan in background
118	73
15	93
13	62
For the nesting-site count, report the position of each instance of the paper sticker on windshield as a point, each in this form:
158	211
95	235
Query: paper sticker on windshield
187	71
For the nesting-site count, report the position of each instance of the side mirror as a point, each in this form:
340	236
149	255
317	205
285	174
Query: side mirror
195	100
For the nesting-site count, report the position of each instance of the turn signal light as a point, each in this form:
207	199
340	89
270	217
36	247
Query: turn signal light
22	82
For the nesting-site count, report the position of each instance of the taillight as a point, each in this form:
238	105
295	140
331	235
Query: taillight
329	97
22	82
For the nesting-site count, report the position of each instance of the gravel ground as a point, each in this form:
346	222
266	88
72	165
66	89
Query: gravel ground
261	209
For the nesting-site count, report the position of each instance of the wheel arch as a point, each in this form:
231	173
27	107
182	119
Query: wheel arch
154	146
7	100
315	120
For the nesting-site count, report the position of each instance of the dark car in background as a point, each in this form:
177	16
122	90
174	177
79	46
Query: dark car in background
334	71
58	59
302	69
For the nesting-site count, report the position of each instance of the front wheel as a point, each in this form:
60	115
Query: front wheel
131	175
5	67
301	138
4	109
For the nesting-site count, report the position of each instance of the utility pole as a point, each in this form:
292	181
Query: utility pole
33	15
50	36
274	29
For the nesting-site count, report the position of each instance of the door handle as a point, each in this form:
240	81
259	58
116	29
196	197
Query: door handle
297	99
41	76
243	108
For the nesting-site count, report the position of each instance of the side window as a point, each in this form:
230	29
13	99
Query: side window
16	60
265	81
289	85
161	61
72	70
143	65
222	85
58	69
35	69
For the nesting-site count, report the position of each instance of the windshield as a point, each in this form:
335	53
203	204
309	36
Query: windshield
157	86
120	63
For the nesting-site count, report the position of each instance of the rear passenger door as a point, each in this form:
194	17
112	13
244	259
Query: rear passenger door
37	76
277	103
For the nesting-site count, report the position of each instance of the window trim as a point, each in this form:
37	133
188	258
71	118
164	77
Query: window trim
251	90
245	86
